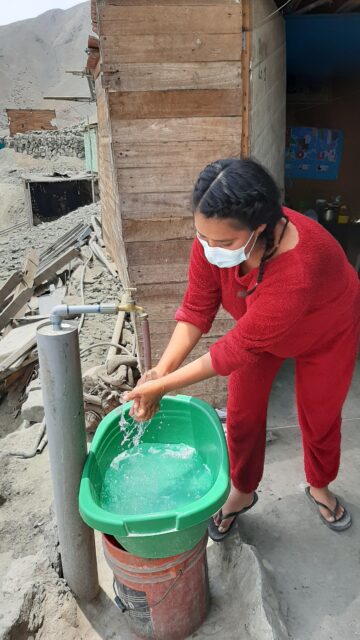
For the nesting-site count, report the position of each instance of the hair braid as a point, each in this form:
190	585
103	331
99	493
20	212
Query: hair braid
269	245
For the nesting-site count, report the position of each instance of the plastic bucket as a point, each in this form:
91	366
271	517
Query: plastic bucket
158	535
161	599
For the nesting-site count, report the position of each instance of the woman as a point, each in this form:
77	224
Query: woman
293	294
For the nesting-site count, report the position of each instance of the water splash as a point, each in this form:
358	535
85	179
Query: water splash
131	430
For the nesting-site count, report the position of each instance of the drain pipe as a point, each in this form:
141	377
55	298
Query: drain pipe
61	382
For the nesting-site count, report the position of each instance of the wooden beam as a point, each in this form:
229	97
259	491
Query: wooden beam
144	20
15	305
175	103
8	287
51	270
168	76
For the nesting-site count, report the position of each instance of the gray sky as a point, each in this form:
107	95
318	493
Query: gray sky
14	10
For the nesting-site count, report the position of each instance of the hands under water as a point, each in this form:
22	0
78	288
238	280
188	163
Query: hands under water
146	396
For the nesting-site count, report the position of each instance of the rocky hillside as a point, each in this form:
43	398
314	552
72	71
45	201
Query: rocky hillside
34	55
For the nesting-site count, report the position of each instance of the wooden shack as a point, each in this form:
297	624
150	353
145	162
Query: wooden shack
25	120
179	83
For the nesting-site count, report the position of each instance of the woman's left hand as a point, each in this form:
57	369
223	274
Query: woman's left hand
147	397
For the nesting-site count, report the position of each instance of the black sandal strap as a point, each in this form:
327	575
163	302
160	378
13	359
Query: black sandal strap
332	511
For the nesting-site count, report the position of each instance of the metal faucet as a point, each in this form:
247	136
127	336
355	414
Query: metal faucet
61	311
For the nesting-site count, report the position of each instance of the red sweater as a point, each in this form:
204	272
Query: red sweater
308	296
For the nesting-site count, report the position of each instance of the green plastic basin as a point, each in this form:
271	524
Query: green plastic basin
182	419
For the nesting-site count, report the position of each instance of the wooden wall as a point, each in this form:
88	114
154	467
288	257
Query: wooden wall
175	94
23	120
268	88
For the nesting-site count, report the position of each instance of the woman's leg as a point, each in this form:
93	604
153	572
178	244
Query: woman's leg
322	383
249	390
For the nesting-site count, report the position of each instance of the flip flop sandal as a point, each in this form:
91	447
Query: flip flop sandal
339	524
213	529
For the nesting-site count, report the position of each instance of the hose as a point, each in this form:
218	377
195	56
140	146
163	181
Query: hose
105	344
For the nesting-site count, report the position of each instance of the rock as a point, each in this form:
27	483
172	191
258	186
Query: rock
21	439
33	407
36	603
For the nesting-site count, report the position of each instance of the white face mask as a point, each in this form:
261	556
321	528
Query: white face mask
226	258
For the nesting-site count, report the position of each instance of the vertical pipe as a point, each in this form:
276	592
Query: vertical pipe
146	341
60	373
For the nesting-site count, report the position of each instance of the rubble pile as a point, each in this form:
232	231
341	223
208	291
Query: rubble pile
49	144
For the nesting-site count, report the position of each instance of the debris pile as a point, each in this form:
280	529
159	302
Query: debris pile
49	144
74	269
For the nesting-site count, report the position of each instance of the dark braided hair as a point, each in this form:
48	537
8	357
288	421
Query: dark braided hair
242	191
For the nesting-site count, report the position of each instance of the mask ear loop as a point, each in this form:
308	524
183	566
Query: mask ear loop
252	248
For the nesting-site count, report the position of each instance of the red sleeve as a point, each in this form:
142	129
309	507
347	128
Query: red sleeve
203	295
280	304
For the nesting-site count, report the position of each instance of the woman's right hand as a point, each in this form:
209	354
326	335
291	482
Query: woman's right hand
153	404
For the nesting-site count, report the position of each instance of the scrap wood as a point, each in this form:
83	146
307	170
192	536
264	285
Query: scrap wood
16	305
67	240
28	274
52	268
22	376
8	287
99	253
17	343
98	230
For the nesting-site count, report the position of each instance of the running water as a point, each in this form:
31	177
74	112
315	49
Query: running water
152	478
132	430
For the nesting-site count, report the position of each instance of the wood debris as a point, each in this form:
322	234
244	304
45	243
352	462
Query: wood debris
25	302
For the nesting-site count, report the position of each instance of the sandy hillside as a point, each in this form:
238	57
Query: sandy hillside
34	55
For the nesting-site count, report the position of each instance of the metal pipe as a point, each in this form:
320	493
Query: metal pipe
61	383
146	341
62	310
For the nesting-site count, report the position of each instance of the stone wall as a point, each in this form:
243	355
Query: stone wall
48	144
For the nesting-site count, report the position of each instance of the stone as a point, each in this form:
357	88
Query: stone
33	407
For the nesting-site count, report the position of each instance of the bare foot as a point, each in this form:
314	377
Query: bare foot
235	502
325	496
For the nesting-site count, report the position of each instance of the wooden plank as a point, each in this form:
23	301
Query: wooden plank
158	228
154	179
167	252
50	270
177	129
132	20
177	47
171	75
15	305
175	104
144	3
156	274
165	154
29	270
246	60
135	206
8	287
163	328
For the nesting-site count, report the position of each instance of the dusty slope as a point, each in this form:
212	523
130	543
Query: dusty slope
34	55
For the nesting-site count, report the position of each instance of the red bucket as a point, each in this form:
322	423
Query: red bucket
163	599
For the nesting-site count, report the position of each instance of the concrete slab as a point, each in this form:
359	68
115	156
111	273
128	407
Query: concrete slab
315	571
